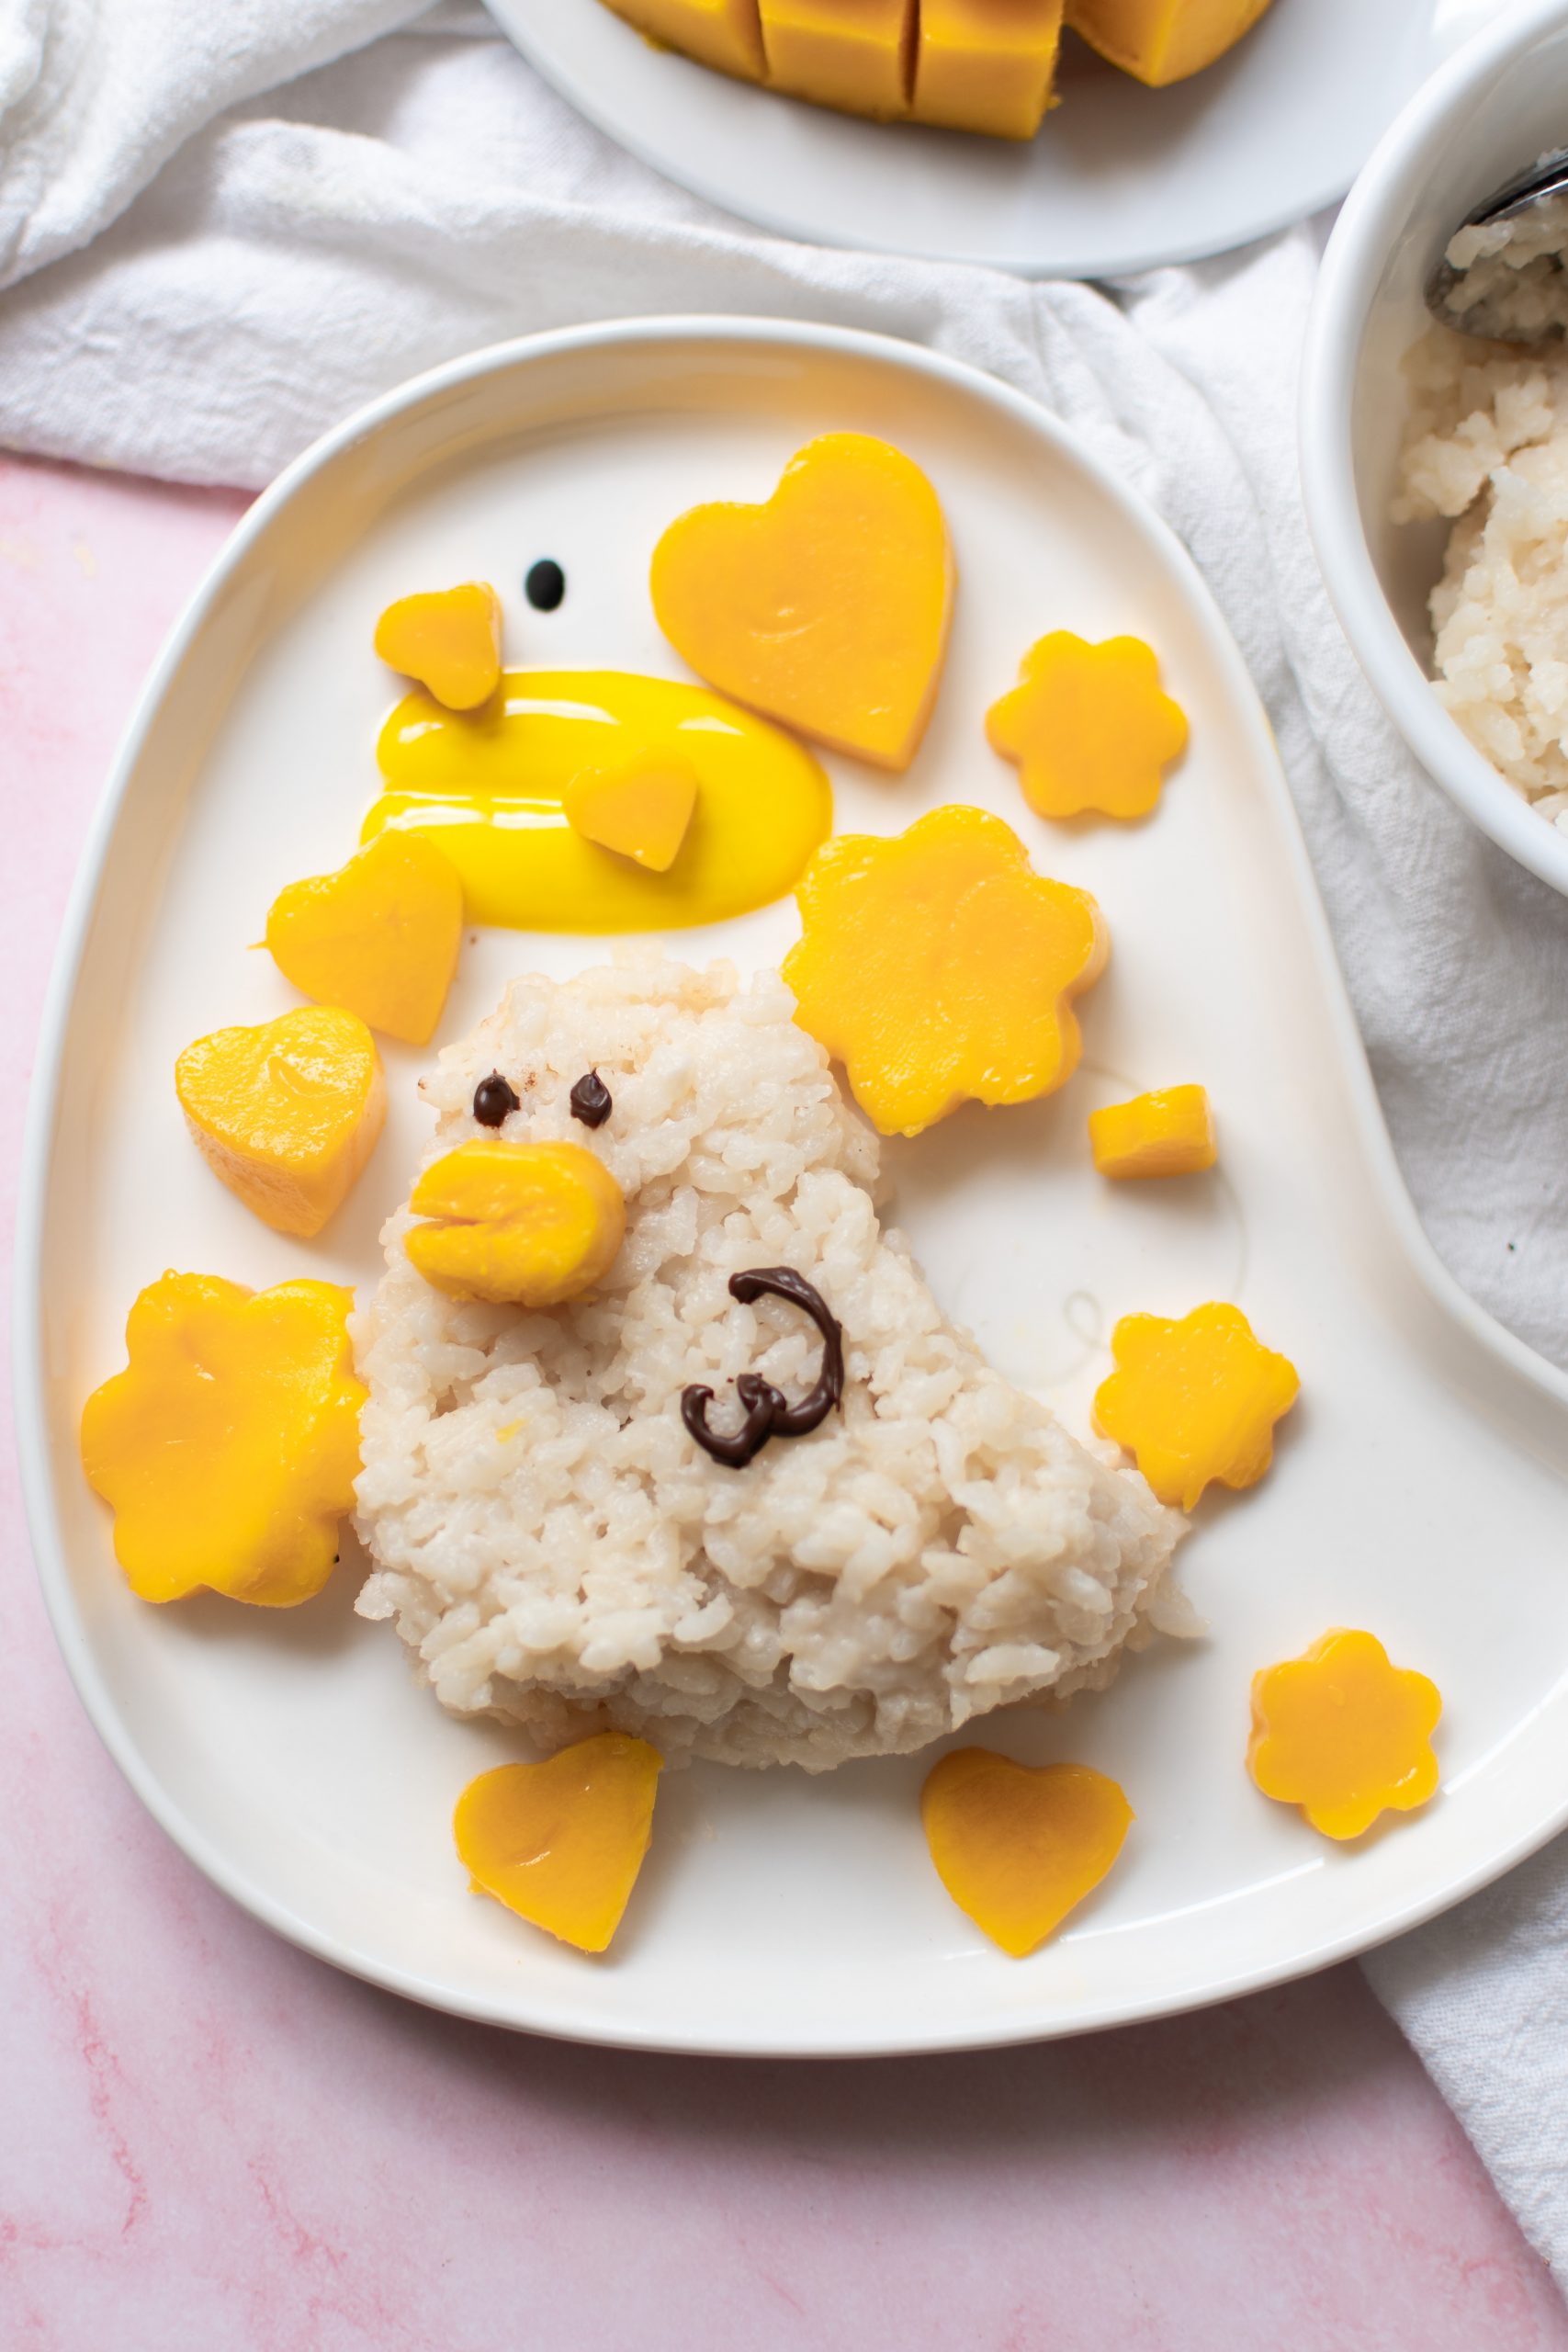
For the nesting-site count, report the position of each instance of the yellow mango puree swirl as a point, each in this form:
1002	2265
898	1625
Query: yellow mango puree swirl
488	786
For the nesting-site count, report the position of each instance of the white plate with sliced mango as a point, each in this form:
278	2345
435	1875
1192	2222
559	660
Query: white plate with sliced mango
1187	1833
1189	126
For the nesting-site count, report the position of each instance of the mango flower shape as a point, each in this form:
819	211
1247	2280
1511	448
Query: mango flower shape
229	1446
1194	1400
1088	726
938	967
1343	1734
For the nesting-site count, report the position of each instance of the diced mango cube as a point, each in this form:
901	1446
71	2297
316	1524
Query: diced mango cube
1169	1132
286	1113
987	65
1163	41
721	33
854	54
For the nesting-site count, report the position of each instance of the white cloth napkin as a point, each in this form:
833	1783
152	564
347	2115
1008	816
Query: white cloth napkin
222	226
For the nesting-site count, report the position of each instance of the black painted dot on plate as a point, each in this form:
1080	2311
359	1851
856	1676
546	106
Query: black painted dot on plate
544	585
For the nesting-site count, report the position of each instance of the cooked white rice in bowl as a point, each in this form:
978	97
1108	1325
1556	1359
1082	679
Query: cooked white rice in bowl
554	1547
1487	448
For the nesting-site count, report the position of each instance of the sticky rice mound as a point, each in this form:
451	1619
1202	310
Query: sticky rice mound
557	1550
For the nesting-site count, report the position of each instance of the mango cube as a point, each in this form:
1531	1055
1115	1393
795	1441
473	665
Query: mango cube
1163	41
721	33
1168	1133
987	65
853	54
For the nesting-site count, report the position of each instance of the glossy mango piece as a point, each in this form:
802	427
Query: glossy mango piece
533	1224
1019	1846
1163	41
1194	1400
449	640
1088	728
827	606
987	65
857	55
721	33
491	785
641	809
938	967
380	936
286	1113
229	1446
1344	1733
562	1843
1169	1132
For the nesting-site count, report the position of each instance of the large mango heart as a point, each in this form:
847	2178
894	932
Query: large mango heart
562	1843
379	935
287	1114
1018	1848
827	607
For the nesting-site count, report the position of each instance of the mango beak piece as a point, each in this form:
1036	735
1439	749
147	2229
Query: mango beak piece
641	809
523	1223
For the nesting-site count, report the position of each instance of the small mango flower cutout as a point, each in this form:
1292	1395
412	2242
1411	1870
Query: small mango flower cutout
1344	1733
1194	1399
1088	726
939	968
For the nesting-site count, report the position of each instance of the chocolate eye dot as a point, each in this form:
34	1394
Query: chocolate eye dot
590	1100
494	1099
544	585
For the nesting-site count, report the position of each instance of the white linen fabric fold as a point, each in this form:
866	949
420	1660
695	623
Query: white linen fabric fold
222	227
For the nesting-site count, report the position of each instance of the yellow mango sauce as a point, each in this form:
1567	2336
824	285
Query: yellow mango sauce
487	787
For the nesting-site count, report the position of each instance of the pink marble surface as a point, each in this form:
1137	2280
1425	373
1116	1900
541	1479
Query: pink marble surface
207	2141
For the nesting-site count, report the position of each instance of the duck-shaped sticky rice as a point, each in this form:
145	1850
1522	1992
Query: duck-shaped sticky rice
643	1508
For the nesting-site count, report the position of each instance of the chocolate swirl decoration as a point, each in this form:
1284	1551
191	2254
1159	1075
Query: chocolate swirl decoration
768	1411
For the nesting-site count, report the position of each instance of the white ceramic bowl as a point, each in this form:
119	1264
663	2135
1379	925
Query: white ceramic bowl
1490	110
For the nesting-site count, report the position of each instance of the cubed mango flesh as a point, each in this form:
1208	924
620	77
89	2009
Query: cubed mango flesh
721	33
987	65
1169	1132
380	935
286	1113
857	55
1163	41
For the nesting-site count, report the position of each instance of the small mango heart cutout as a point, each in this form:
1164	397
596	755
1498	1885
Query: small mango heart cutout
379	935
641	809
449	640
562	1843
827	607
1017	1848
286	1113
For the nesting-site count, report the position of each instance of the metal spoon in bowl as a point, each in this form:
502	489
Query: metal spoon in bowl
1479	292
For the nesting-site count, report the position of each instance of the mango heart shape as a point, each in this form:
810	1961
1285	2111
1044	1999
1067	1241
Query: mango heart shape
1017	1847
562	1843
642	809
449	640
827	607
379	935
286	1113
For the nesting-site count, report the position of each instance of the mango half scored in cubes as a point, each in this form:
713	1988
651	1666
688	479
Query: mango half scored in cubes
983	66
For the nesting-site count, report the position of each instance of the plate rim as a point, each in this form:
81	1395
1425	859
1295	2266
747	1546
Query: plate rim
39	1470
579	94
